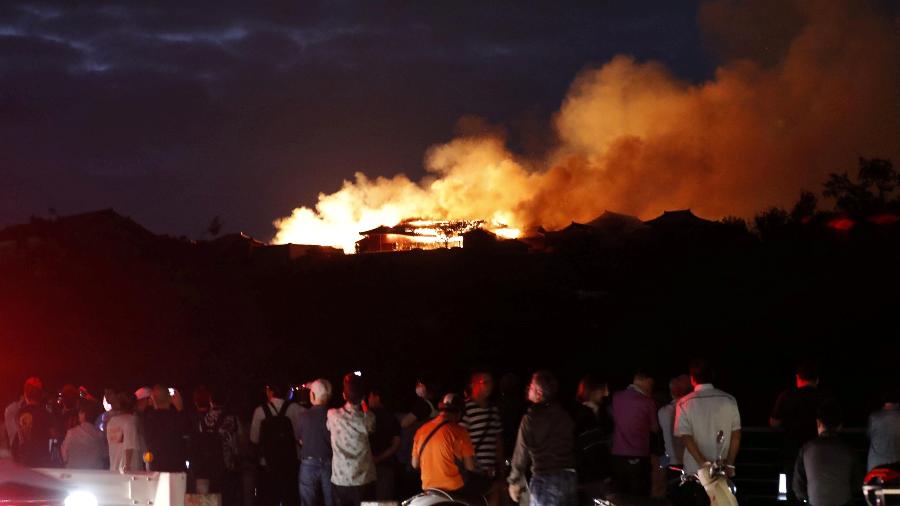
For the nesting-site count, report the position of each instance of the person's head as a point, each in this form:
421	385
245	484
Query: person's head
890	397
274	390
543	387
481	384
679	386
452	407
217	396
425	389
88	411
202	399
375	399
701	372
591	389
643	380
33	390
320	392
354	391
69	396
142	398
828	416
124	402
807	374
161	398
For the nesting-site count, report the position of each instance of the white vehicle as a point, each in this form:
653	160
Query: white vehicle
74	487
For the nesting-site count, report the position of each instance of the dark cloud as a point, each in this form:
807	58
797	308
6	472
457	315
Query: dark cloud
174	112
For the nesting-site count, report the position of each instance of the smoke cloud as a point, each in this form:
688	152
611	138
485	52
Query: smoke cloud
786	107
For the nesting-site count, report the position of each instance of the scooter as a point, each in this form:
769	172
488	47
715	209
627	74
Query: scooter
714	478
434	496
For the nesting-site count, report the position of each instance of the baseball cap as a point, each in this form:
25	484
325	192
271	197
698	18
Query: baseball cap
452	402
143	393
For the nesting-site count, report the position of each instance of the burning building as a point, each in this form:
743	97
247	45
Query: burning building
416	234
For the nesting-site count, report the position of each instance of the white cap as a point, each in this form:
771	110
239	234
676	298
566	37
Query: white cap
143	393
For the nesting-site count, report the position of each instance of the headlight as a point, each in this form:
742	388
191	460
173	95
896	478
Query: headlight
81	498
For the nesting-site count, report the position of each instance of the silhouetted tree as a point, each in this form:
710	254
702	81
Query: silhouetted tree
215	226
805	208
876	180
771	223
734	223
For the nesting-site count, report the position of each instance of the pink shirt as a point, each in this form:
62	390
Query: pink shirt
634	416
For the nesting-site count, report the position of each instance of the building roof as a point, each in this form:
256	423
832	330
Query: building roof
680	218
610	221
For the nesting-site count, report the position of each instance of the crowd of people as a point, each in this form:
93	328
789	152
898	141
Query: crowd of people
487	445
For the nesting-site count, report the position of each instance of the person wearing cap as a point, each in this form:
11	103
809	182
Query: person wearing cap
545	445
439	443
141	403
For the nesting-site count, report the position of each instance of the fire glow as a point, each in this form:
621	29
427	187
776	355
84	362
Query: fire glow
631	137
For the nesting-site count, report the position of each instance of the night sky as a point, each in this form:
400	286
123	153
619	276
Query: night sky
175	112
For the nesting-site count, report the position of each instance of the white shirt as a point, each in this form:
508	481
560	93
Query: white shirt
701	414
84	447
121	435
293	414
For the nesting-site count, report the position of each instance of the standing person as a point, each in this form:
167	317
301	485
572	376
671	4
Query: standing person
592	432
122	434
385	442
545	445
699	416
315	453
214	445
419	412
85	446
68	408
142	402
273	429
482	419
795	412
165	429
34	424
827	472
9	417
352	466
231	432
679	386
634	423
884	432
437	447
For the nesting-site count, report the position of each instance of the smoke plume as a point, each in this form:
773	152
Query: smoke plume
790	104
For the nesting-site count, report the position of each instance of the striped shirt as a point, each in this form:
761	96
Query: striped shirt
485	429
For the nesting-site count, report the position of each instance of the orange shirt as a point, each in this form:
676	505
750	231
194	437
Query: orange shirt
438	461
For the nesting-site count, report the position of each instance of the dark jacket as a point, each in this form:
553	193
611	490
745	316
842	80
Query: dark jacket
31	447
314	435
827	472
545	443
164	433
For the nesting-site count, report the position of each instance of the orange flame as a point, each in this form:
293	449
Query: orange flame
634	139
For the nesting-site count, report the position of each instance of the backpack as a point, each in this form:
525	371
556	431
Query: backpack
276	437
